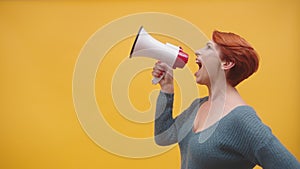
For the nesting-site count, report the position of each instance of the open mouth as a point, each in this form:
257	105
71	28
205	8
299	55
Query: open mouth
198	62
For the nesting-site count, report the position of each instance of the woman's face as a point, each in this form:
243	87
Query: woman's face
209	63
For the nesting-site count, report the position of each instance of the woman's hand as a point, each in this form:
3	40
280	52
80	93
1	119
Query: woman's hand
166	83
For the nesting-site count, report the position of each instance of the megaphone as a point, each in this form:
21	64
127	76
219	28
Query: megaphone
146	46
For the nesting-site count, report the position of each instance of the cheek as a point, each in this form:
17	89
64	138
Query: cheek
212	69
212	63
210	54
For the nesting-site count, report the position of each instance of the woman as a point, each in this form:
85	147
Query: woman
219	131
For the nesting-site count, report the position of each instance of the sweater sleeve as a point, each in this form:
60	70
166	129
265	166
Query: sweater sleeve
169	130
261	146
273	155
165	130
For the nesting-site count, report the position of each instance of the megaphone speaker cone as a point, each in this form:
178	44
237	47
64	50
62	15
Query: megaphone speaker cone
135	41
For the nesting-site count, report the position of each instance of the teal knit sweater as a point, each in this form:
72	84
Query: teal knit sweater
239	140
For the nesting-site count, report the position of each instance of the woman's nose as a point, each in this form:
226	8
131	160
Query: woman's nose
198	54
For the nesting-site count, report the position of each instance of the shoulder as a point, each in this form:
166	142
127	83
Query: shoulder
194	106
249	126
246	116
198	101
187	116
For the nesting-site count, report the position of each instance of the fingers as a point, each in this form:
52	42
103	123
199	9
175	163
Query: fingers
157	72
161	66
159	69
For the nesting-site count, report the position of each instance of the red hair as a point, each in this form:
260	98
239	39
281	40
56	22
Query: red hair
236	49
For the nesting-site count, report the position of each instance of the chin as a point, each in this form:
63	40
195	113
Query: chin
201	82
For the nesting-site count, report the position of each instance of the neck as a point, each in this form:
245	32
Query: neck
222	91
225	95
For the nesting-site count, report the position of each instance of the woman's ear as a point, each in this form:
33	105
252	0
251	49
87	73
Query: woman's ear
226	65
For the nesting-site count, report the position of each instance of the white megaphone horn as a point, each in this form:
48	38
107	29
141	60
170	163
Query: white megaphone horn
146	46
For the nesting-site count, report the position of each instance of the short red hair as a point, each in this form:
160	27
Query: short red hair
236	49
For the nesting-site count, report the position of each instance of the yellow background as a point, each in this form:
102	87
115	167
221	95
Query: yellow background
41	40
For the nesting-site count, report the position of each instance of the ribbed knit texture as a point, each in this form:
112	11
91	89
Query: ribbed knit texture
237	141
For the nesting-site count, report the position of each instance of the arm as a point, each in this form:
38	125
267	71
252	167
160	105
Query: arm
169	130
260	145
165	129
273	155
